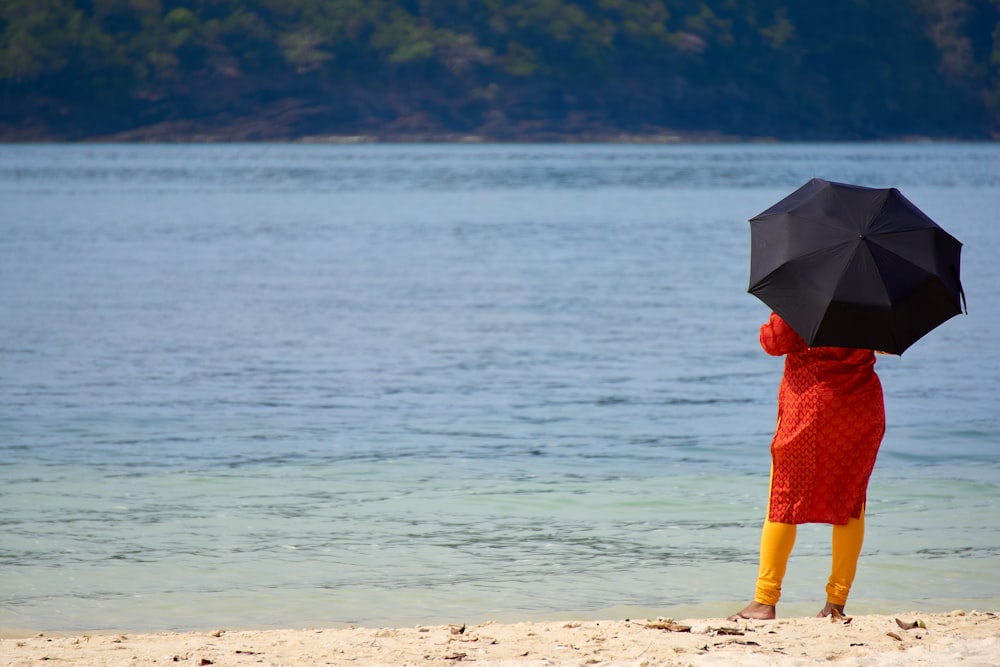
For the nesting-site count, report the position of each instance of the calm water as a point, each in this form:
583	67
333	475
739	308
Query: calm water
259	386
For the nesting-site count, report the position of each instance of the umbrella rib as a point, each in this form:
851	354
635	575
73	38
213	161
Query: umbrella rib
863	247
875	240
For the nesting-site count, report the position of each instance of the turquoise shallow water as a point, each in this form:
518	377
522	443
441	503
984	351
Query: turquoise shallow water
273	386
278	547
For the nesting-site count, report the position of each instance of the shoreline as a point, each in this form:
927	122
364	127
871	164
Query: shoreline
259	132
907	638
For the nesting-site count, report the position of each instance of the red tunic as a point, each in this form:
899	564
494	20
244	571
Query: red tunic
831	418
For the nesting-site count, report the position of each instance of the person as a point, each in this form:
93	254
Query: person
831	419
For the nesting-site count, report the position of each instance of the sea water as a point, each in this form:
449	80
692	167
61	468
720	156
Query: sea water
313	385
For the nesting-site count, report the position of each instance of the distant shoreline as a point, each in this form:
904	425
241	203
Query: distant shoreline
268	129
253	132
140	136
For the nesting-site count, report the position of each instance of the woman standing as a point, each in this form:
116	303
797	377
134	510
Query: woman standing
831	419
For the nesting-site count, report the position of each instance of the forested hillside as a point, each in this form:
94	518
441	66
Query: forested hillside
507	70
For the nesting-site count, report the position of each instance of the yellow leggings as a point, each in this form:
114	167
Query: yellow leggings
776	542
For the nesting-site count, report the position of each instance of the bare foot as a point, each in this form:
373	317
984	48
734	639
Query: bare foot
755	611
835	610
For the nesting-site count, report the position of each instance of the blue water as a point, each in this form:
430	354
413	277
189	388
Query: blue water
311	385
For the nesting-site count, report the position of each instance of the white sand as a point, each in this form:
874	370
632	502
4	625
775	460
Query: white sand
971	638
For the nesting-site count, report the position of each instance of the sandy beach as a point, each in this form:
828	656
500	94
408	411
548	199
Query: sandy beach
912	639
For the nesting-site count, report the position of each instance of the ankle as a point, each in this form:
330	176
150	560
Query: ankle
832	608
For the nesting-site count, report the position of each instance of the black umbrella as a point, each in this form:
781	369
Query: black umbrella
851	266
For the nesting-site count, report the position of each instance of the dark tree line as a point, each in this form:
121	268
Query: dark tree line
825	69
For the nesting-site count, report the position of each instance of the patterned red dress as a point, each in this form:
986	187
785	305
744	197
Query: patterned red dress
831	419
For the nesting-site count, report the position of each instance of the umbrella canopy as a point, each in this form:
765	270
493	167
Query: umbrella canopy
850	266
